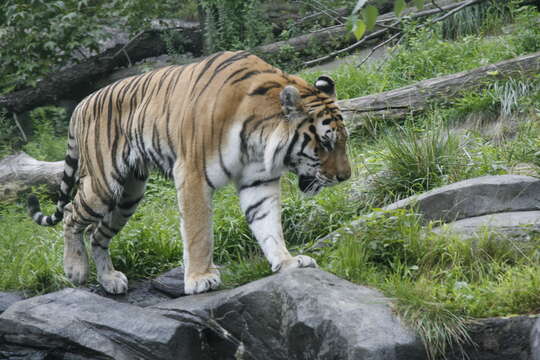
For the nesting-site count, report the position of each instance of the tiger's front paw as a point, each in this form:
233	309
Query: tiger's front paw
196	284
299	261
114	282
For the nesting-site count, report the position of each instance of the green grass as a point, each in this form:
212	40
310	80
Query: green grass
439	281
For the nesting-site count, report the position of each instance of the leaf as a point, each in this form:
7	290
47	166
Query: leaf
493	73
360	4
419	4
359	29
50	45
351	20
370	14
399	6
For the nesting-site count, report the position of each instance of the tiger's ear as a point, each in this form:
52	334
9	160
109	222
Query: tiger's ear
291	103
326	85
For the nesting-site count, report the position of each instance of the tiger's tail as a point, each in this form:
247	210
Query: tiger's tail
64	194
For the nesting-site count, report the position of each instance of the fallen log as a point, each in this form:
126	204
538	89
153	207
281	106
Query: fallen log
19	172
398	103
77	81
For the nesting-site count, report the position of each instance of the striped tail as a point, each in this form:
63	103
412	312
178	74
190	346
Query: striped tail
64	194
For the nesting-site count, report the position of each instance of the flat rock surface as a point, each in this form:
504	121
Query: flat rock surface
516	224
476	197
74	323
9	298
140	293
303	314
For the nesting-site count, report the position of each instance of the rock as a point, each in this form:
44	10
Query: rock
171	282
303	314
140	293
8	298
503	339
74	323
476	197
535	341
518	224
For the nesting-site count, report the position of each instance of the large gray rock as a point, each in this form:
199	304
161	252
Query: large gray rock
76	324
9	298
518	224
535	341
303	314
501	339
476	197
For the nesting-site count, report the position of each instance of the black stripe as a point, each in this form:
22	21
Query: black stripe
327	121
264	88
258	183
223	66
260	217
72	162
252	209
234	74
287	159
243	137
97	244
246	76
89	210
125	205
208	181
207	65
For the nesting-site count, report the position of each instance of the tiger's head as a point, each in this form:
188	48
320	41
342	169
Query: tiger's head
318	150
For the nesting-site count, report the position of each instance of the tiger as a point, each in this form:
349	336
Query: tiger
230	118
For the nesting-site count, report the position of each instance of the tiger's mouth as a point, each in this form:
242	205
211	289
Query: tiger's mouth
309	184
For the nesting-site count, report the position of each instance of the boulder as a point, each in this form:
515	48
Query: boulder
302	314
518	224
8	298
503	338
535	340
171	282
76	324
476	197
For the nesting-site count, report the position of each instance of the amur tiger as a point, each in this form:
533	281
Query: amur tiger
231	117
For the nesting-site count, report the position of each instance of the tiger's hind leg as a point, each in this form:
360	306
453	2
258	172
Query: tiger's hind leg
86	210
113	281
75	256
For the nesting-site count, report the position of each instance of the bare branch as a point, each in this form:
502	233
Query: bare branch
16	119
437	5
449	10
373	49
373	35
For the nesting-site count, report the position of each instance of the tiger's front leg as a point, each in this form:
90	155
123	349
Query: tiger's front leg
195	202
261	204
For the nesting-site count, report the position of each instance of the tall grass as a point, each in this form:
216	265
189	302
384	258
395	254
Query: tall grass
439	280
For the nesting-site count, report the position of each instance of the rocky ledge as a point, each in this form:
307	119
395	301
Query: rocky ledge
301	314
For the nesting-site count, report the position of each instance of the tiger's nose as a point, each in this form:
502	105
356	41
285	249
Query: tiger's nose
343	176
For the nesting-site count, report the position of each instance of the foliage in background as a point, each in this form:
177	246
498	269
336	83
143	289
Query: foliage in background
37	37
234	24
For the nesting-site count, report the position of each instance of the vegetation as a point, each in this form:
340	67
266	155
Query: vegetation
439	281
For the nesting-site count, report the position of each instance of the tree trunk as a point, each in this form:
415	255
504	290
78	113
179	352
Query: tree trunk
396	104
77	81
19	172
